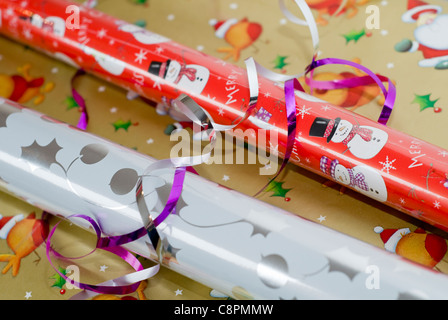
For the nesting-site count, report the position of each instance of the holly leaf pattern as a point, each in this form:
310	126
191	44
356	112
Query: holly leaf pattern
41	156
59	281
279	62
121	124
277	189
424	101
354	36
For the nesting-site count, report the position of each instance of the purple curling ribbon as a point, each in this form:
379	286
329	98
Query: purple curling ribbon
174	196
119	286
389	95
290	102
84	118
113	244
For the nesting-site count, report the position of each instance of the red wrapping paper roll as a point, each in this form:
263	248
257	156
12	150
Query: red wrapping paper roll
396	169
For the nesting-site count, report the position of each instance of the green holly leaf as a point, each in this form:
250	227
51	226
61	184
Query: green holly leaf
279	62
59	280
140	23
424	101
277	189
354	36
120	124
71	103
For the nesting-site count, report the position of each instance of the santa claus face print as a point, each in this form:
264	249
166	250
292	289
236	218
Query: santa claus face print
426	18
434	32
343	129
431	34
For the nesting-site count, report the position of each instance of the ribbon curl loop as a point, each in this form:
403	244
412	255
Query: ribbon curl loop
119	286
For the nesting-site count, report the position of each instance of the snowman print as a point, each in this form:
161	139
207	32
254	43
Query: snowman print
143	36
361	178
364	142
115	66
190	77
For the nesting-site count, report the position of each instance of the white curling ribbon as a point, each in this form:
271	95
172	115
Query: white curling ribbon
125	280
200	117
307	13
254	67
309	21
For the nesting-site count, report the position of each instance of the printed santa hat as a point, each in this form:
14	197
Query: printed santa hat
416	8
7	223
391	237
221	27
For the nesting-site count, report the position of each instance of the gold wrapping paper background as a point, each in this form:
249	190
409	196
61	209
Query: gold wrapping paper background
187	22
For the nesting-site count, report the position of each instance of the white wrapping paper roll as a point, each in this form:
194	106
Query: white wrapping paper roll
223	239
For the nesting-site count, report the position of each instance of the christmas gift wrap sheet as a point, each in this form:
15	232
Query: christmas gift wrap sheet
394	38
